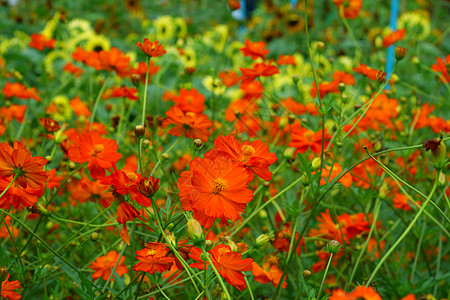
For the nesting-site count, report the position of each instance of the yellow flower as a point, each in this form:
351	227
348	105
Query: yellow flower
165	28
63	110
417	25
97	43
50	27
214	85
57	57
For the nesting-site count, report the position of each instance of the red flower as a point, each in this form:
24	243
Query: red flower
254	156
190	101
49	124
71	68
153	258
152	49
20	91
393	37
361	292
100	153
18	161
104	264
190	124
303	139
258	69
229	264
122	92
214	189
254	49
442	66
351	8
40	41
88	190
8	287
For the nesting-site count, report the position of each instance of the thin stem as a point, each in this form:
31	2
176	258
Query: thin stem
9	185
97	101
405	233
115	267
324	276
144	104
222	284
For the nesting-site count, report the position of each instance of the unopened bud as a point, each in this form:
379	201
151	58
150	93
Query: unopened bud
320	46
208	244
135	79
438	152
165	156
415	60
171	238
263	239
381	76
344	98
148	186
333	247
341	87
139	131
49	158
232	245
295	79
72	165
3	273
289	152
94	236
194	230
306	274
316	162
197	144
400	53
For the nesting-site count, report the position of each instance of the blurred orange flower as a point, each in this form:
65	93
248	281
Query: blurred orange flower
104	264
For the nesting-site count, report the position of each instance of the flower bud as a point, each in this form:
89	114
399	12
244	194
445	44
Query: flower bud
289	152
344	99
94	236
333	247
263	239
49	158
3	273
306	274
232	245
438	152
165	156
135	79
171	238
381	76
139	131
148	186
341	87
194	230
197	144
316	162
320	46
400	53
295	79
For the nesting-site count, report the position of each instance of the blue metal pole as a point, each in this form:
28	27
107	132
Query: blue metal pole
390	59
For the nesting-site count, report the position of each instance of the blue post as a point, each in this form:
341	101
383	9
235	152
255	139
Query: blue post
293	3
390	59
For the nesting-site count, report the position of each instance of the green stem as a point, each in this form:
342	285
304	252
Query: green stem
9	185
219	277
144	104
405	233
416	258
324	276
372	228
97	101
139	285
247	219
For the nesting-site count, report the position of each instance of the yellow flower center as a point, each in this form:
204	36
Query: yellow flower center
247	151
223	251
151	252
132	176
219	185
98	148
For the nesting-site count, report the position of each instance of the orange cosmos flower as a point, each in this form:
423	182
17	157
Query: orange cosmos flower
361	292
103	265
20	91
366	71
8	287
141	71
254	49
87	190
190	101
254	156
40	41
152	49
190	124
71	68
100	153
269	272
283	239
393	37
351	8
153	258
18	195
18	161
258	69
331	172
79	107
229	78
49	124
442	66
303	139
400	201
122	92
114	60
229	264
286	60
214	189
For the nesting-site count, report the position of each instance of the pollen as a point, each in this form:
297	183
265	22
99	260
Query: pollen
309	135
98	148
247	151
132	176
223	251
151	252
219	185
